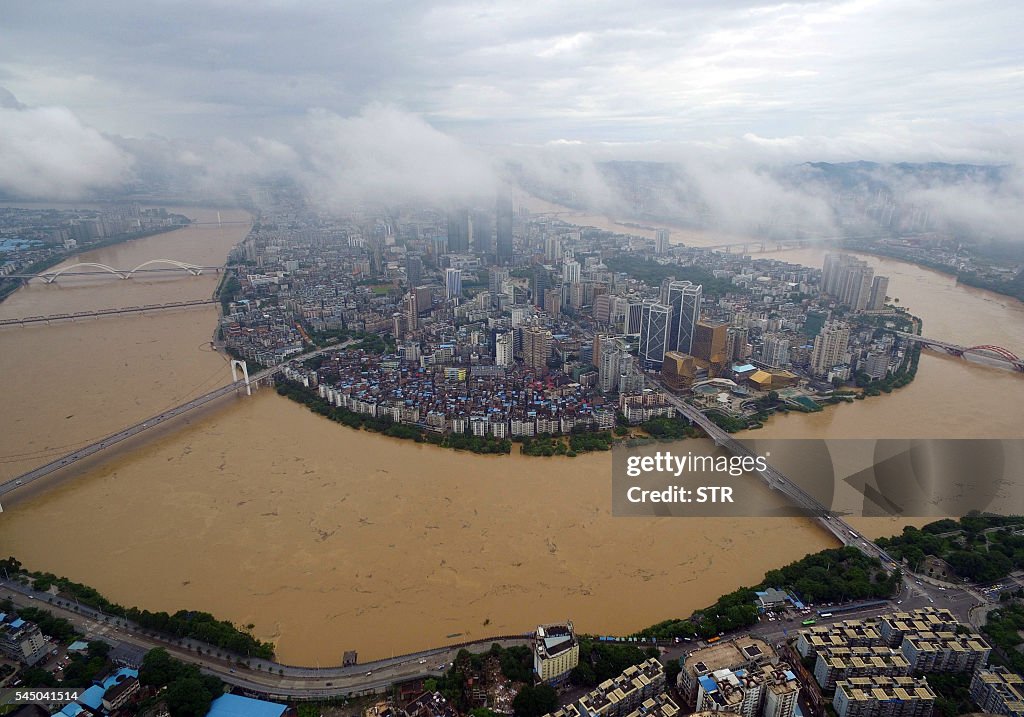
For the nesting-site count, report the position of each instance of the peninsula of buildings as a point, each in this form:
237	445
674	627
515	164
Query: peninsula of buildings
501	324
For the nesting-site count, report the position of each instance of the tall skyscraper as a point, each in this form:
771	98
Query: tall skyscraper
459	230
685	300
660	241
654	332
503	246
452	283
829	347
481	236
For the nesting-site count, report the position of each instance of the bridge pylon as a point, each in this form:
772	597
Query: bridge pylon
235	365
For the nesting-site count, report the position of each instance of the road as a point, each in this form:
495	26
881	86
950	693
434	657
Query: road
263	676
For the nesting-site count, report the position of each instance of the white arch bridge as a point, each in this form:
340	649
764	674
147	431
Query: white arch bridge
146	267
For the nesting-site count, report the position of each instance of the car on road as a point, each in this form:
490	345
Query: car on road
369	673
423	661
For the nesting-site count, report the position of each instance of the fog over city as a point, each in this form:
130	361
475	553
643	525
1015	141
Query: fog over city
434	102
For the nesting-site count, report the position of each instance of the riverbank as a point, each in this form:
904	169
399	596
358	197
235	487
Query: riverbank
586	441
1013	289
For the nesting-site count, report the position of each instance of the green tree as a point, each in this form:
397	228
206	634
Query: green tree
535	701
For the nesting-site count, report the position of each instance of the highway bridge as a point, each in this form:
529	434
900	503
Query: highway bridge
104	443
153	266
989	352
105	312
778	481
761	245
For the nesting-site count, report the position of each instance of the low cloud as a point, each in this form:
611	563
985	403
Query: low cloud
48	153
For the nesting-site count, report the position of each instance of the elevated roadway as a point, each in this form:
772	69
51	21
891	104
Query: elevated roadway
105	312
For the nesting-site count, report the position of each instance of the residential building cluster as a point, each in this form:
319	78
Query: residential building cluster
870	664
639	691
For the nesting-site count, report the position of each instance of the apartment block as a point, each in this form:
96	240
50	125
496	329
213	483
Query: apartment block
945	652
622	695
881	696
998	691
895	626
848	633
842	663
658	706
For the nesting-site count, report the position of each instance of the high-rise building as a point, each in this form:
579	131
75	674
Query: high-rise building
553	301
452	283
481	236
884	696
879	287
736	343
613	363
503	245
553	248
413	270
998	691
602	309
556	651
571	271
852	282
876	365
829	347
412	314
536	348
459	231
709	342
654	333
424	299
775	351
497	278
660	241
503	349
634	316
684	298
540	282
678	371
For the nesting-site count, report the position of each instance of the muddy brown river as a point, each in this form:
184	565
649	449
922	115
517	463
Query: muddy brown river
327	539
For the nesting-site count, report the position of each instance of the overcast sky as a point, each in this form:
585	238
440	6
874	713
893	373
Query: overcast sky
903	77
